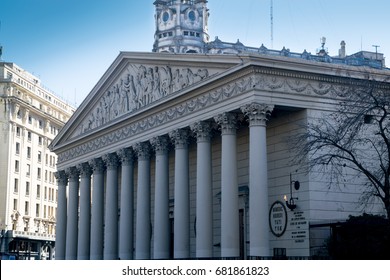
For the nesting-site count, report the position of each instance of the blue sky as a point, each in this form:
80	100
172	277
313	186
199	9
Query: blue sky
69	44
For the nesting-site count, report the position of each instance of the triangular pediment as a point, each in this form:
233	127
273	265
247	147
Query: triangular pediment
134	82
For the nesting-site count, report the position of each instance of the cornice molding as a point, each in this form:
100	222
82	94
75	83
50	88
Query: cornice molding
258	79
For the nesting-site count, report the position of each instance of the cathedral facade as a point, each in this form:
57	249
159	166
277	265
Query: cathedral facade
183	153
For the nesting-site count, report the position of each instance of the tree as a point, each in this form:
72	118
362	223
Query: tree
370	232
356	136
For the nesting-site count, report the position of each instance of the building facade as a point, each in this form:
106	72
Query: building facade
30	117
183	153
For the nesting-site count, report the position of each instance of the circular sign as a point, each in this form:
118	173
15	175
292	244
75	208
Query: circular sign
278	218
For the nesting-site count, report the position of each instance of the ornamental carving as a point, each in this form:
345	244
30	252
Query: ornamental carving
180	138
73	174
257	114
111	161
143	150
97	165
62	178
227	122
160	144
126	156
84	169
138	87
202	130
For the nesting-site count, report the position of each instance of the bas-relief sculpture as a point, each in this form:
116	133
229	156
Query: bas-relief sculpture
139	86
260	80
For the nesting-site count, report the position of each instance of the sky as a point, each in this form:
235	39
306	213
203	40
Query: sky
69	44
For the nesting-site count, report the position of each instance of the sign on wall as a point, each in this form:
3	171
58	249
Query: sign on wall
278	218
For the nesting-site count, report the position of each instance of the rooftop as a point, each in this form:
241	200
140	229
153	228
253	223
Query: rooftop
363	58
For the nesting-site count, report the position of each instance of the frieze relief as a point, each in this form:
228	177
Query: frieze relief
258	81
139	86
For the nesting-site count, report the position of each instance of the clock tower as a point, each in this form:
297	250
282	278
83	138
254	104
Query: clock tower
181	26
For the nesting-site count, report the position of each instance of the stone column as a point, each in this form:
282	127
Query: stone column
83	248
110	251
126	223
258	179
204	191
73	217
230	244
143	222
61	217
181	226
161	202
97	218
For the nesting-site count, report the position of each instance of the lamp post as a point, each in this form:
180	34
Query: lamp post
291	202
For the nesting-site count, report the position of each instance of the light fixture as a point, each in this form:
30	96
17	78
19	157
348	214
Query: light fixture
291	202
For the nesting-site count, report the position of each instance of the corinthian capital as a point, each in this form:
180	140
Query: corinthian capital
111	161
258	114
97	165
62	178
160	144
143	150
72	173
126	156
202	130
180	137
227	122
84	169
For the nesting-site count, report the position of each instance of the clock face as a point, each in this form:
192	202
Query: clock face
165	16
192	16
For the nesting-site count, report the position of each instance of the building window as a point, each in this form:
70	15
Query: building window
37	210
27	188
45	193
29	119
18	131
16	166
39	173
40	141
39	156
17	148
15	204
40	124
26	208
38	191
29	152
28	170
29	136
16	185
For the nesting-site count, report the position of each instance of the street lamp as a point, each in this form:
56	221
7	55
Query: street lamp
290	203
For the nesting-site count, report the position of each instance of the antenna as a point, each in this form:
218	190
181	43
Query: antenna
272	24
376	51
1	47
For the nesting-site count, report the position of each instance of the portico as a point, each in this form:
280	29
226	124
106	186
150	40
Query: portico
152	240
158	153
